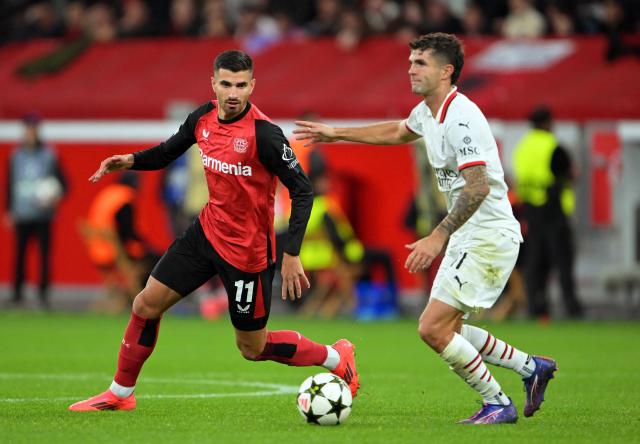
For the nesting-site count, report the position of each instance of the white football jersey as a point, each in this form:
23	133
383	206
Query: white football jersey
459	137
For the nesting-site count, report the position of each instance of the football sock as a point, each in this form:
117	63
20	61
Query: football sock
139	341
121	391
333	358
291	348
465	360
497	352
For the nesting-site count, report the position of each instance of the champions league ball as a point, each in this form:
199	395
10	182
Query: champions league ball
324	399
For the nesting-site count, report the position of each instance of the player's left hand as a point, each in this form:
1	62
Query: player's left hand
292	274
424	251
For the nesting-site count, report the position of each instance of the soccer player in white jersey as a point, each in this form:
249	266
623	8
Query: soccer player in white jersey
482	234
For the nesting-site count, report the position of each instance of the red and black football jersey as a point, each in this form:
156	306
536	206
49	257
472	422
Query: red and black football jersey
242	157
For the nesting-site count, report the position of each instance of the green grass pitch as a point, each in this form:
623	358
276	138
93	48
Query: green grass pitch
197	388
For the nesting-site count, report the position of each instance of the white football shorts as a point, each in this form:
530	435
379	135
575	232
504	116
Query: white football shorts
475	268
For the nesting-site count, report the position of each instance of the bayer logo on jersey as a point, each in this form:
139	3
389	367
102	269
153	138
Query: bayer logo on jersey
324	399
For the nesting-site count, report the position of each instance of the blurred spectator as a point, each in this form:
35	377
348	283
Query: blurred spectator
543	175
183	18
40	20
114	245
523	21
474	23
255	30
175	182
100	23
560	22
352	29
409	24
327	18
614	24
35	186
216	21
74	19
135	21
438	18
379	14
287	29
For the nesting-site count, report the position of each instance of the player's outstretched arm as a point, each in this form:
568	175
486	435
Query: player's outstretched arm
292	277
425	250
110	164
386	133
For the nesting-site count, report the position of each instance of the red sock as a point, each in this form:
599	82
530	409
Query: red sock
291	348
138	344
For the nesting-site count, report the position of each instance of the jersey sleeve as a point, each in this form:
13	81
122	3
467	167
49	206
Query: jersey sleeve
469	142
160	156
278	157
414	122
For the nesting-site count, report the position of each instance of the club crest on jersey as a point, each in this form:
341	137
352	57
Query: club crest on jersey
240	145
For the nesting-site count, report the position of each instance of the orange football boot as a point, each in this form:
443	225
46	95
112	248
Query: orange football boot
104	401
346	369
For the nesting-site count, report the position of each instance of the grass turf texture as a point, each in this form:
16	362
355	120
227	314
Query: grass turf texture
407	394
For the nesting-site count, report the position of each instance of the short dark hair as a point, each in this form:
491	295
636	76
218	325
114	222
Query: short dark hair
540	116
446	46
234	61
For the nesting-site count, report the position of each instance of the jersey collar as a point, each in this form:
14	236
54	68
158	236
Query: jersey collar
442	112
238	117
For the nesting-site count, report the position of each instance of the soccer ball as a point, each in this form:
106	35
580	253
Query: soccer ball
324	399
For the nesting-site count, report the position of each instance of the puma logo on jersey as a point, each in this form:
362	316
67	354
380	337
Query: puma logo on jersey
464	124
205	133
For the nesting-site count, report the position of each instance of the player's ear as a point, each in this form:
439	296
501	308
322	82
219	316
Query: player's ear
447	71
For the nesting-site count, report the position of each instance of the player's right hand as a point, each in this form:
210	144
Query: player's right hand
314	132
111	164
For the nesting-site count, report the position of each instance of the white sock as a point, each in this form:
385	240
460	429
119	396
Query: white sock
333	359
121	391
497	352
465	360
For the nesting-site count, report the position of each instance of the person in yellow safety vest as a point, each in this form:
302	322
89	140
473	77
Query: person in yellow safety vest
543	174
329	237
330	251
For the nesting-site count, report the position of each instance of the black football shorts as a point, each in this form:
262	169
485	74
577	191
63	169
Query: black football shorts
191	261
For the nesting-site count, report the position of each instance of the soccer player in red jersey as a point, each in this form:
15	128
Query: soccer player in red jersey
243	153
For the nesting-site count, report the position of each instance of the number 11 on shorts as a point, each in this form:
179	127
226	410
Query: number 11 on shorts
248	286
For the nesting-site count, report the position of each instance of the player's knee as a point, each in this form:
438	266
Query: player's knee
146	306
431	335
249	351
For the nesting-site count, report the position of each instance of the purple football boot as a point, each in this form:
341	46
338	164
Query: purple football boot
493	414
536	384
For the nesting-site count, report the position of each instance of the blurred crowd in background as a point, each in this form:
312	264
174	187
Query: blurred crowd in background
260	23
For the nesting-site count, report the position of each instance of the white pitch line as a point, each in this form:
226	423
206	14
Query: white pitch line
273	389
